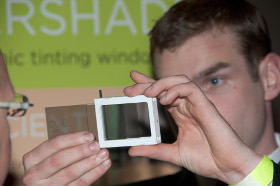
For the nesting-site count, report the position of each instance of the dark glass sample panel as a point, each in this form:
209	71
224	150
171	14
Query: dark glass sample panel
124	121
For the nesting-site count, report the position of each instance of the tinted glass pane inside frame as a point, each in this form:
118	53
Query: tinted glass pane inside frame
123	121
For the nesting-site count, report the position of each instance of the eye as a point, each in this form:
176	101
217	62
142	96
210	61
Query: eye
214	82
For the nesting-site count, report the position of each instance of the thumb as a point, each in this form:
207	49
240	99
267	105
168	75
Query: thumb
163	152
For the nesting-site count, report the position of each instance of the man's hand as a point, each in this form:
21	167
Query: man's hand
206	144
70	159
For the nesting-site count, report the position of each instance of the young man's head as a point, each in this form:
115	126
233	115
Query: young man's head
190	18
6	95
224	47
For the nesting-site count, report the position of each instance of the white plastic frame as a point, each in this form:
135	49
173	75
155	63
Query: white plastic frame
155	137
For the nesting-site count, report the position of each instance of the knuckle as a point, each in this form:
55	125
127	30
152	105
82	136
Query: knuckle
68	174
28	177
183	77
94	162
56	161
157	85
84	149
192	85
25	158
154	84
55	143
160	81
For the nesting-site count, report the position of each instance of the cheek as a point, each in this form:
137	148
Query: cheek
244	110
229	108
229	103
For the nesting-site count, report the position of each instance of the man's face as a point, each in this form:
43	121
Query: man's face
213	61
6	95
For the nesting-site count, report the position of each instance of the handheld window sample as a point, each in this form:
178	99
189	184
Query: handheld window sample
120	121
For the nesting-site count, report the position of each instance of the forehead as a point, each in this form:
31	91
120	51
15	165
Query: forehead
198	53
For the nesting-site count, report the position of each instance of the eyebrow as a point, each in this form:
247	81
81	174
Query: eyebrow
211	70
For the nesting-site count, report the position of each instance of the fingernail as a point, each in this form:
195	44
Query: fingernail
102	154
88	136
94	147
127	88
106	163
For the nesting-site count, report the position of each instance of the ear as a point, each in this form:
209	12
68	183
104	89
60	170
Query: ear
269	73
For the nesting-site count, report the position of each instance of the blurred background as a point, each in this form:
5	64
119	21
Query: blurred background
61	52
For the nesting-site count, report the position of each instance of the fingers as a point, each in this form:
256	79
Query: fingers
142	82
61	162
64	158
158	152
151	88
54	145
174	91
74	173
185	95
183	91
167	89
165	84
135	90
188	98
93	174
94	166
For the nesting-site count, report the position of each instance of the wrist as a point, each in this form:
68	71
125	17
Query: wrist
243	168
262	175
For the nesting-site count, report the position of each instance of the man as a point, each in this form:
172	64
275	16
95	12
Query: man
6	95
13	105
216	76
